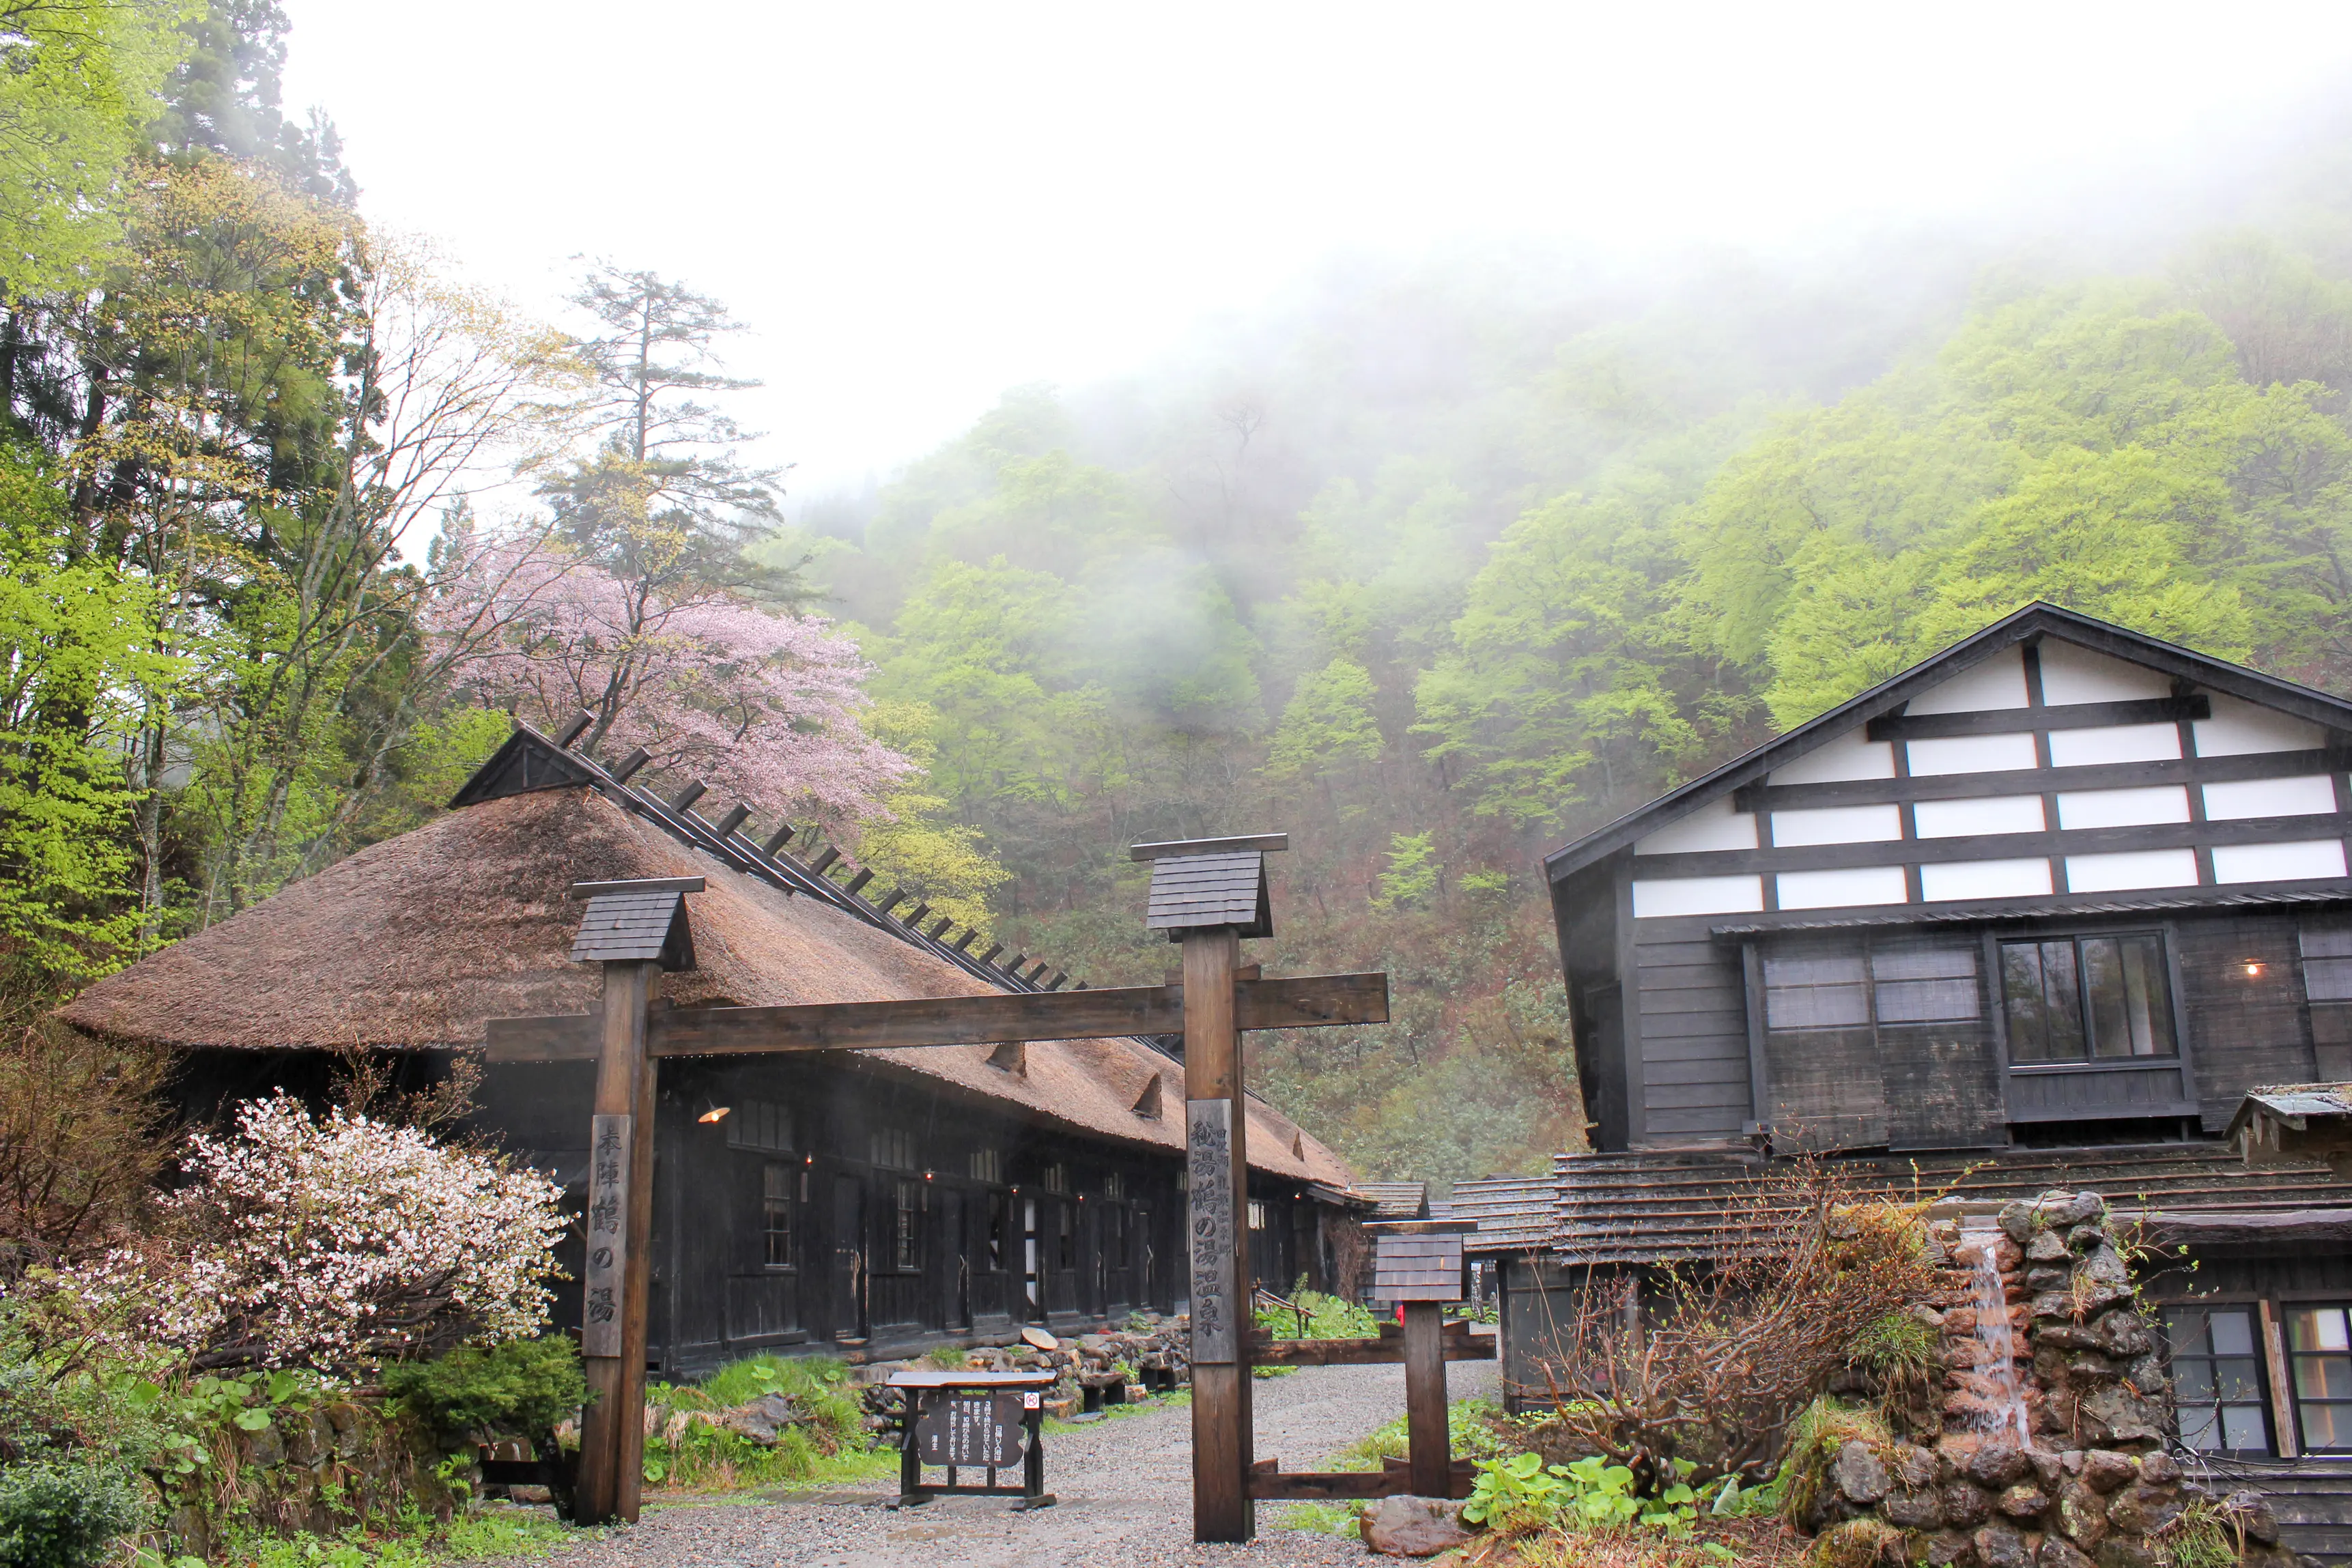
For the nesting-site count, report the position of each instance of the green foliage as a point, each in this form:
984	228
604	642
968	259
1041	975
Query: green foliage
1520	1494
1900	1348
1412	873
58	1515
79	80
828	1440
522	1388
1328	1317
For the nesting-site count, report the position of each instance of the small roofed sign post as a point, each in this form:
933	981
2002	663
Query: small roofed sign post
1208	894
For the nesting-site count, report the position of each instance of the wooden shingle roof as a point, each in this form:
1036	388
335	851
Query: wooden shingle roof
1514	1214
1641	1208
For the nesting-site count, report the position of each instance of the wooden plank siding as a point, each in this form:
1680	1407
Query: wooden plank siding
1693	1002
2248	1030
1106	1221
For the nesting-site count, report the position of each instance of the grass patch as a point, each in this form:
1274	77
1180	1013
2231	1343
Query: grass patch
1320	1518
1471	1433
829	1445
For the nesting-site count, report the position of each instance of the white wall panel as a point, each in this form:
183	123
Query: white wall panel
1848	756
1656	899
1714	826
1984	814
2122	808
2133	867
1837	825
1971	754
2309	796
2239	729
1953	879
2113	743
1839	889
2073	675
2278	863
1998	683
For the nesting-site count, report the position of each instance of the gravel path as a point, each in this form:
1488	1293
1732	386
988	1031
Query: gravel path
1125	1487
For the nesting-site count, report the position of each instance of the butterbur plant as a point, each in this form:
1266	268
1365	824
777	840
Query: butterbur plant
337	1244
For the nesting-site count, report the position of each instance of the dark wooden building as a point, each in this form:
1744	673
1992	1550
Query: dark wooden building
881	1200
2047	906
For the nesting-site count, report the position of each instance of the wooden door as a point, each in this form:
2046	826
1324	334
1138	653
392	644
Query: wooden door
955	1231
848	1283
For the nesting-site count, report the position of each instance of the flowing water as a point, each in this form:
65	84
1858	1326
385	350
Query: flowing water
1998	1393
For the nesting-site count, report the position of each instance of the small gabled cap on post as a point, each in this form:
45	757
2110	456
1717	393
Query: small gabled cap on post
636	922
1200	884
1418	1259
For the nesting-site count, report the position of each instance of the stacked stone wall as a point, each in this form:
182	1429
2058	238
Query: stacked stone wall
2083	1479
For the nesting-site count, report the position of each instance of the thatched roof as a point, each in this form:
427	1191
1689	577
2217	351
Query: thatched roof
414	943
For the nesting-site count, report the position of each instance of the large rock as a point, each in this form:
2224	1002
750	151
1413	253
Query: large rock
1998	1465
2144	1509
2082	1515
2023	1500
762	1418
1858	1473
2104	1469
1964	1506
1913	1511
1413	1526
2059	1552
2002	1544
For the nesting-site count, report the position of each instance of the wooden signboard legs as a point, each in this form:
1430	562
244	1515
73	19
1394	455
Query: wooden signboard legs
620	1216
1218	1180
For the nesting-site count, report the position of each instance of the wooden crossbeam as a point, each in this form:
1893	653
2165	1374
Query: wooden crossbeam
1306	1002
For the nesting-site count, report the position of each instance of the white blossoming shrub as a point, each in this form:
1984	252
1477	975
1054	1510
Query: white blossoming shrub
341	1243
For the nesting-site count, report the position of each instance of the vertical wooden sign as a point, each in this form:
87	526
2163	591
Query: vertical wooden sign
1216	1293
604	1289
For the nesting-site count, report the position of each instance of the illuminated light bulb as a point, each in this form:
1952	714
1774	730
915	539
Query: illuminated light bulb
716	1114
2253	971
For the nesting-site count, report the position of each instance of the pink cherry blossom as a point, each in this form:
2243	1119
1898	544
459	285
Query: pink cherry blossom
763	706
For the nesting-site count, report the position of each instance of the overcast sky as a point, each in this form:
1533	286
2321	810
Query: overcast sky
915	207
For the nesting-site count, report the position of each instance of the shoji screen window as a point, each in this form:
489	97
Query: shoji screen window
2217	1376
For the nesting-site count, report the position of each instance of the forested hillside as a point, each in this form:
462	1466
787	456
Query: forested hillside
1448	567
1433	566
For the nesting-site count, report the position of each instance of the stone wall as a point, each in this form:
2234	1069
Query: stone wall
2037	1440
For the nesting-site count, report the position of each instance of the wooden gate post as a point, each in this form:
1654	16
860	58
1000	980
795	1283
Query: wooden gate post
636	929
620	1211
1429	1458
1216	1140
1209	894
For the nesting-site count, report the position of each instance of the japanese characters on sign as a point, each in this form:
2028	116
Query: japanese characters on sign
971	1426
1209	1138
608	1234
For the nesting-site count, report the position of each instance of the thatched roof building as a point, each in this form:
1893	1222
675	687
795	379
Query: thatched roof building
1058	1160
412	944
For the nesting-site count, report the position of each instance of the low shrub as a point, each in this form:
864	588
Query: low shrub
60	1514
524	1388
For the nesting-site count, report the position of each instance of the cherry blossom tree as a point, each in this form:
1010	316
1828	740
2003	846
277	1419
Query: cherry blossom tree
764	706
333	1244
